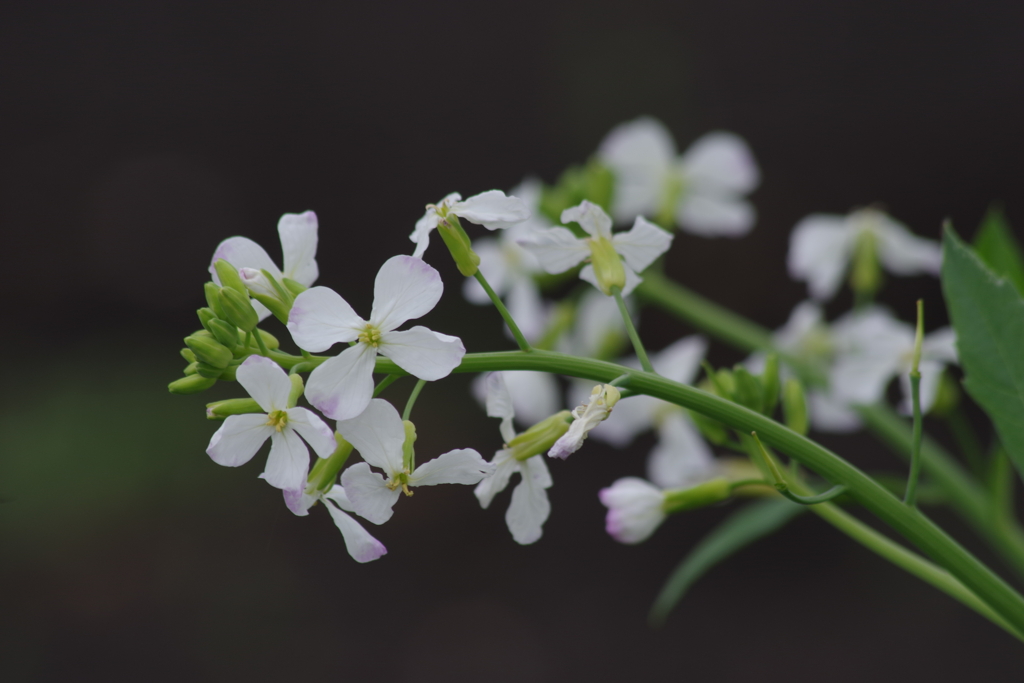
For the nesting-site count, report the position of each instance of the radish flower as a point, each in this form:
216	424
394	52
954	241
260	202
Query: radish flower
491	209
360	544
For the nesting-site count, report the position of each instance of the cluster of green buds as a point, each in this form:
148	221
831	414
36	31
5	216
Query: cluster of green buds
592	181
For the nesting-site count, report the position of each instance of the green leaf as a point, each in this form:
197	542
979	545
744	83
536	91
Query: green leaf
745	526
988	316
998	248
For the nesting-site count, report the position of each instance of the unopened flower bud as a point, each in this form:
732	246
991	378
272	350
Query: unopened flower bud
192	368
207	370
794	406
265	288
205	316
212	292
225	332
192	384
608	270
238	310
229	276
218	410
635	509
457	241
296	392
209	351
749	392
187	354
540	437
770	384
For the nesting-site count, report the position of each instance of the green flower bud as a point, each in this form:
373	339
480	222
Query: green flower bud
218	410
794	406
770	384
702	495
540	437
192	384
268	339
325	472
749	392
294	287
192	368
225	332
205	316
229	276
457	241
187	354
212	292
296	392
209	351
608	269
228	373
408	453
238	310
207	370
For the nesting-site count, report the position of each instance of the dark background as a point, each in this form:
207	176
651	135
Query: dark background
136	136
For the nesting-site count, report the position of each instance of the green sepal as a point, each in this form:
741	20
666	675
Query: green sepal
205	316
225	332
192	384
408	452
770	384
701	495
279	308
866	271
296	390
218	410
457	241
238	310
325	471
229	372
229	276
608	269
209	350
293	287
211	290
540	437
794	406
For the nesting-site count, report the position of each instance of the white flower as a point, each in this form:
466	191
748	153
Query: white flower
558	249
360	544
873	347
298	233
241	436
702	190
822	246
530	507
379	436
491	209
586	416
405	288
635	509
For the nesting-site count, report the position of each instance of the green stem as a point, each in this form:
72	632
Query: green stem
520	339
910	498
384	384
260	343
638	346
412	399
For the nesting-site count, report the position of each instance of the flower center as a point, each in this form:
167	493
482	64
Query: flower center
278	419
371	336
400	480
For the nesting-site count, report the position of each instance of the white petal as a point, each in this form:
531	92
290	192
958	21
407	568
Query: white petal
499	403
421	234
341	387
504	467
680	361
461	466
288	462
238	439
266	382
591	218
423	353
642	244
598	326
526	307
632	279
557	249
337	495
406	288
368	493
720	161
377	433
640	153
940	345
904	253
360	544
820	248
681	457
634	509
492	209
805	318
494	268
298	501
298	233
711	215
530	506
242	252
861	380
320	318
828	414
314	430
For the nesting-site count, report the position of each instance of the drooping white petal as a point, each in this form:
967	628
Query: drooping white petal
405	288
591	218
360	544
557	249
681	457
680	361
530	506
242	252
714	216
377	433
288	462
492	209
499	403
461	466
819	251
904	253
504	467
314	430
634	509
298	233
421	234
829	414
320	318
642	244
423	353
632	279
341	387
368	493
721	162
640	153
238	439
265	381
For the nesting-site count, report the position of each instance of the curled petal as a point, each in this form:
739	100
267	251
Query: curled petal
424	353
265	381
557	249
369	494
320	318
238	439
288	462
492	209
298	233
314	430
341	387
405	288
461	466
360	544
377	433
591	218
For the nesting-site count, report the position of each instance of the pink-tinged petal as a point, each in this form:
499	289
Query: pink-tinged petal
369	494
242	252
642	244
360	544
557	249
634	509
298	501
314	430
406	288
591	218
504	467
492	209
421	234
266	382
341	387
713	216
530	506
722	162
819	252
461	466
288	462
320	318
423	353
337	495
681	458
378	434
640	153
238	439
904	253
298	233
